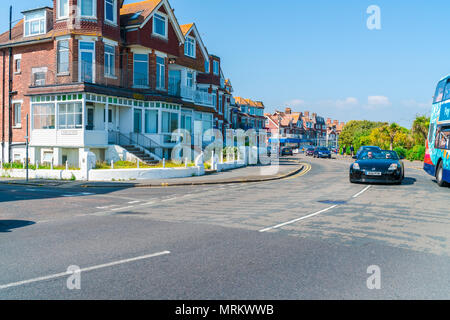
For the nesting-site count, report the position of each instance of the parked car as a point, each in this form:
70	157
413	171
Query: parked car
365	149
378	166
309	152
286	151
322	152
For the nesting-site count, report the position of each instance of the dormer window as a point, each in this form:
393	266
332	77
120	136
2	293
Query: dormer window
111	11
160	25
189	47
35	23
216	67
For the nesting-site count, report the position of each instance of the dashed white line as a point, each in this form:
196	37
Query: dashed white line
298	219
133	202
361	192
65	274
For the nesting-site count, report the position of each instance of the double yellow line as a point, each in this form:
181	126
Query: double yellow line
307	168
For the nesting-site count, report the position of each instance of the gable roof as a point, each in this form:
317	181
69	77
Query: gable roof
187	29
144	11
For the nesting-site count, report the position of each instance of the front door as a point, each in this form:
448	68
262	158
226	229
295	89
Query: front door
137	121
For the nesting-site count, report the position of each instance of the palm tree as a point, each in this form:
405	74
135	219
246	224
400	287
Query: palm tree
391	131
420	129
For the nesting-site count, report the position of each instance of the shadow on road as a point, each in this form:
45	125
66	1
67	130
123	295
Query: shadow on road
8	225
409	181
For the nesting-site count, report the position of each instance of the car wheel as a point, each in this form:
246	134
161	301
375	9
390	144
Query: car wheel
440	175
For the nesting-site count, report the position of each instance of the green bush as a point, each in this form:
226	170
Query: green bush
401	151
416	153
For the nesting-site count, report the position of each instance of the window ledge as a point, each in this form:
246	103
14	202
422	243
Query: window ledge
111	77
63	74
111	23
17	73
17	126
156	35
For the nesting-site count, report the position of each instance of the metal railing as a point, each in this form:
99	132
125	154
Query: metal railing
134	139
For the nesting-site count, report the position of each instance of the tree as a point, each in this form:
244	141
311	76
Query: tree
420	129
392	131
355	132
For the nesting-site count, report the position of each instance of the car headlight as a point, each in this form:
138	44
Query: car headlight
356	166
393	166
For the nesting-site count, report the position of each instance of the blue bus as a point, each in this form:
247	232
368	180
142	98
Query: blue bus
437	154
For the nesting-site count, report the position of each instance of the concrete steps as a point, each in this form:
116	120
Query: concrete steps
140	154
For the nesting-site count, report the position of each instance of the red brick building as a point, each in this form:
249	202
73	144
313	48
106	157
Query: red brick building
94	75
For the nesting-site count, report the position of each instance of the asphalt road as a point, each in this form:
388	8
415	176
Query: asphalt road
311	236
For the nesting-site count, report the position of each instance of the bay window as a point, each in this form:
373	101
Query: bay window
44	116
70	115
63	9
160	25
169	122
151	121
189	47
140	70
87	8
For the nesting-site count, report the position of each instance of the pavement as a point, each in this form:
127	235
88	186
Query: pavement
286	167
312	235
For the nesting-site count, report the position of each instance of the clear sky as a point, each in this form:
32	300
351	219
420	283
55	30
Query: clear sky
319	55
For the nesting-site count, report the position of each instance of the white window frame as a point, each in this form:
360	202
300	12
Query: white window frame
216	64
190	41
94	10
58	11
112	69
58	56
134	78
20	103
79	59
166	21
114	4
17	60
158	66
192	79
33	20
74	114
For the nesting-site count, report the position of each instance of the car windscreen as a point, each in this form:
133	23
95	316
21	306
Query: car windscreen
379	155
322	149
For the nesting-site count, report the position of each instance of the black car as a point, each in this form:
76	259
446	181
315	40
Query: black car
365	149
322	152
287	152
382	167
309	152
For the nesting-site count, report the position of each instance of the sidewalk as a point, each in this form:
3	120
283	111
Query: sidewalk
288	167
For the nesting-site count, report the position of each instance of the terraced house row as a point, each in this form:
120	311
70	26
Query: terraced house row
106	77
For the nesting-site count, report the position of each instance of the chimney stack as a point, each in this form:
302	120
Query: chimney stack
288	111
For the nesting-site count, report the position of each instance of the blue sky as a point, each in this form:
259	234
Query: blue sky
319	55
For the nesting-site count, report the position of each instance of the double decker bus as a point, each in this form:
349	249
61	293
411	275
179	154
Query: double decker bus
437	154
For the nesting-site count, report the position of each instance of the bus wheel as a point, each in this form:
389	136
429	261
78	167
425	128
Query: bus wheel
439	175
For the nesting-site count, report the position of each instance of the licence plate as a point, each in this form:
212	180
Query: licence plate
373	173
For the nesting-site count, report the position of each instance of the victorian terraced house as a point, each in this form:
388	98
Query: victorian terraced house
101	75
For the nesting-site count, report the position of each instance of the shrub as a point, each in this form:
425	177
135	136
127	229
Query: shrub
401	151
416	153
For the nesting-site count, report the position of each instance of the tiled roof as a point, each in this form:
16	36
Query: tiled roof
145	8
186	27
17	35
249	102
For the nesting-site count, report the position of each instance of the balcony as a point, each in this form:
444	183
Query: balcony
189	93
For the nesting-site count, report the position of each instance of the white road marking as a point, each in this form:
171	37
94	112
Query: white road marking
298	219
133	202
361	192
123	208
107	207
65	274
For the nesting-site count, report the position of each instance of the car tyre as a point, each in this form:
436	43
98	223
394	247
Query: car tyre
439	175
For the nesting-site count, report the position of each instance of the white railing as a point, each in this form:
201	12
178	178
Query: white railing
187	92
204	98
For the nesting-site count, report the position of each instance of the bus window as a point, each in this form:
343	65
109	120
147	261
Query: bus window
430	134
447	91
440	91
443	138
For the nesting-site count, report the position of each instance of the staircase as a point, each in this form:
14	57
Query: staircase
137	144
141	155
